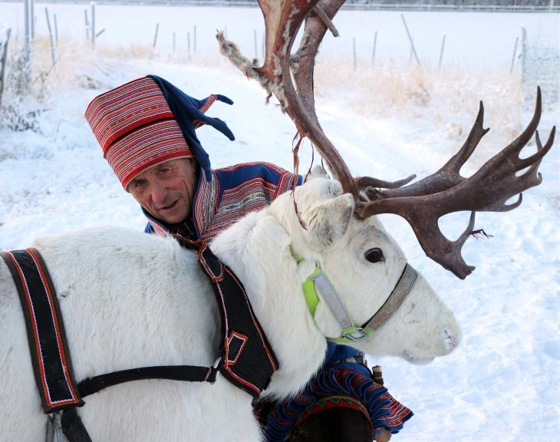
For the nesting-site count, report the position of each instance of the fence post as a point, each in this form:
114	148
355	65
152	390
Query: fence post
55	29
87	24
189	43
514	54
441	52
194	40
26	74
374	47
93	25
32	18
27	19
411	42
3	62
51	37
523	54
155	36
174	45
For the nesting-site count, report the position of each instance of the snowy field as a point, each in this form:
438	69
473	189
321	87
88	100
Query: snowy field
502	383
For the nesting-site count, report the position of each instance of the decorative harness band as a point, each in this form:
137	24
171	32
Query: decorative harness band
318	281
246	358
45	330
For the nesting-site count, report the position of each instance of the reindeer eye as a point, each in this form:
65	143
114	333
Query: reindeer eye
374	255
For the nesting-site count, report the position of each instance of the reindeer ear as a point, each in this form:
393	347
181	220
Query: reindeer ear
328	221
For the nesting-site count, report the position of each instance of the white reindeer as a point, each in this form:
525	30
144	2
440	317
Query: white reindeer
131	300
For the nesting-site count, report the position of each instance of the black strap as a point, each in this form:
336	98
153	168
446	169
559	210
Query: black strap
73	427
175	373
248	360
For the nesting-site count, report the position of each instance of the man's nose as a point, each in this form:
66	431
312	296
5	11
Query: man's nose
159	193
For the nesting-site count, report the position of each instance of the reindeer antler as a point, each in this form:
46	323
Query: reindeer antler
446	191
421	203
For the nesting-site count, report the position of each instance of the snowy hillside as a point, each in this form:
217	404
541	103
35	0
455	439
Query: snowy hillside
502	383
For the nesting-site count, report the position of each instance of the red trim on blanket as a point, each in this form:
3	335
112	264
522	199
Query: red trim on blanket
59	343
39	352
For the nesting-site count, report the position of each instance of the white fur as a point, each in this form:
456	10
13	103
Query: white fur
131	300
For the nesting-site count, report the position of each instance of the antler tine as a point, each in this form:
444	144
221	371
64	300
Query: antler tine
533	169
449	175
487	190
364	182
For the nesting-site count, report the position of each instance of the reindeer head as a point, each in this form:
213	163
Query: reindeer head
337	225
364	265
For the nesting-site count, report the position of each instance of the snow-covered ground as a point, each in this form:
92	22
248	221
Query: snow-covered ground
502	383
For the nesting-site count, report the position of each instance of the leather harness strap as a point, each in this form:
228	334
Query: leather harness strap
246	358
395	299
173	372
73	427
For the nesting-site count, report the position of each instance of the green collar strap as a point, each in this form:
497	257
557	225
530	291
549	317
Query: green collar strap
319	281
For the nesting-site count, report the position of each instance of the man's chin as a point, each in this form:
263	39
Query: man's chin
172	216
173	219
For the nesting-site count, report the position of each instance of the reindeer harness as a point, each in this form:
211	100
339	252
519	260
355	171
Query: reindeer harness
318	281
246	358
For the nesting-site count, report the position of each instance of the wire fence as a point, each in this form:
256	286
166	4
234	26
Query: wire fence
375	5
533	59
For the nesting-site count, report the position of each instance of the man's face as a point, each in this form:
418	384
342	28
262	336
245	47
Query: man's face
166	190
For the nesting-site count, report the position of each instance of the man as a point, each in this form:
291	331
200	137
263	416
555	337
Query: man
146	129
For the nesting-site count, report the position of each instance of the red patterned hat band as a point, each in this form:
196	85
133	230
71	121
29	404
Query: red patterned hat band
136	128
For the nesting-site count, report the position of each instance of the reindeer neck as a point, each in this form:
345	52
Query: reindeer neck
257	249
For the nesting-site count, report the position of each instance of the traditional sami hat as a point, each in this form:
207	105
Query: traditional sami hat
148	121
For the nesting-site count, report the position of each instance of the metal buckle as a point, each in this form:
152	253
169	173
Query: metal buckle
357	335
213	369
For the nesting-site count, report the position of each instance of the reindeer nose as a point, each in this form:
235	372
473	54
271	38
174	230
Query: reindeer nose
451	339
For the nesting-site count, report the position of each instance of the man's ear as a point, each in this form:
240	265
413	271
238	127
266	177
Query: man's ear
328	221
